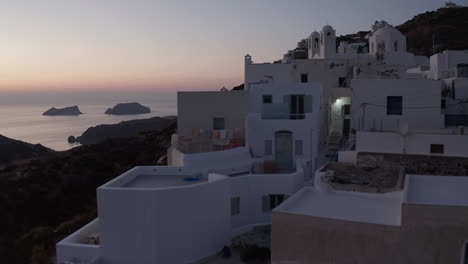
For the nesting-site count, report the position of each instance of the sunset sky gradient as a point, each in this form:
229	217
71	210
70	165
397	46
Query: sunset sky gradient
84	45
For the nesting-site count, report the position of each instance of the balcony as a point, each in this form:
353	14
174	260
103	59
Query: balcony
280	112
211	140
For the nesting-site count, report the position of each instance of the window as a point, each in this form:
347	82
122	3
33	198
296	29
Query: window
346	109
235	206
443	104
299	147
395	45
304	78
342	82
268	99
218	123
268	147
394	105
269	202
316	43
437	148
296	107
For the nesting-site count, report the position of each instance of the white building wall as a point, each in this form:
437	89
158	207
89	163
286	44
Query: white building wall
308	130
416	144
252	188
168	225
421	104
443	61
196	110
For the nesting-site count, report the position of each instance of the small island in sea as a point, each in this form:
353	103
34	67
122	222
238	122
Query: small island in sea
67	111
128	109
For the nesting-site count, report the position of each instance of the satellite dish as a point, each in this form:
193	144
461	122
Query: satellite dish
404	127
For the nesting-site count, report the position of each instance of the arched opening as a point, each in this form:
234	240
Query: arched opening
284	149
316	43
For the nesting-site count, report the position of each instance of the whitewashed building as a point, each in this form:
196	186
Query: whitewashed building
237	155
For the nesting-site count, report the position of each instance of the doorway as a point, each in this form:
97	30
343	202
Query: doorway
284	150
346	127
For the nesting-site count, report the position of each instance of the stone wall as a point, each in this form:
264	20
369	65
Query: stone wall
429	234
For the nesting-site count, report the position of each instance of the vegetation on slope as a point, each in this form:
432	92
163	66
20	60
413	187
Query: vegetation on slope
42	201
11	149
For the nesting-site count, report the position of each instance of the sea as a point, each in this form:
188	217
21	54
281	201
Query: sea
21	114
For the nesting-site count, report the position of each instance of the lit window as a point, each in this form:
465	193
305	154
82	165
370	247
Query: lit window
235	206
394	105
437	148
218	123
267	99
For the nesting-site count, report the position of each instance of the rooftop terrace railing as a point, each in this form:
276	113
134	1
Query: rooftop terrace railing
200	145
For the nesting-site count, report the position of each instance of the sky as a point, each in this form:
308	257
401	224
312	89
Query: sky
165	45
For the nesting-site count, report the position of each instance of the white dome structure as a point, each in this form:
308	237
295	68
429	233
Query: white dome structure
328	42
386	39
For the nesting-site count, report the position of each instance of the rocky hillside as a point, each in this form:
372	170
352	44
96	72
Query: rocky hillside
124	129
42	201
430	32
447	28
11	149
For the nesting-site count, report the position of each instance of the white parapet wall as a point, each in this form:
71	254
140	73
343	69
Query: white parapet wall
74	247
415	144
154	215
251	188
179	224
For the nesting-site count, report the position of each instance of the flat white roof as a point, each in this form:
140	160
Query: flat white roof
161	181
384	209
436	190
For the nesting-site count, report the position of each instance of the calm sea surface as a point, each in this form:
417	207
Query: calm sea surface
21	115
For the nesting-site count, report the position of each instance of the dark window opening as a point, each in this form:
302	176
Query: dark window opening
443	104
296	107
342	82
396	45
437	148
453	89
235	206
271	201
267	99
394	105
346	109
299	147
304	78
218	123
